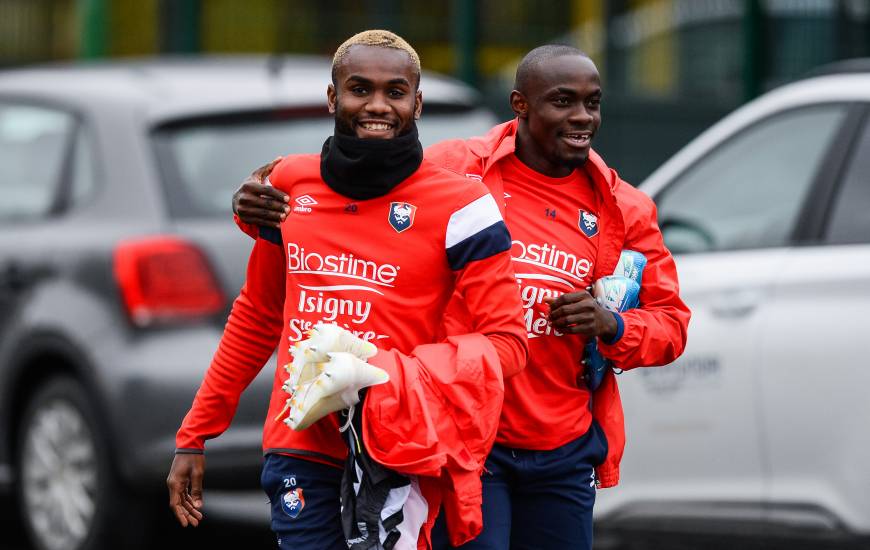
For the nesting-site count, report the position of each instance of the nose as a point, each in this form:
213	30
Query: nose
377	104
581	115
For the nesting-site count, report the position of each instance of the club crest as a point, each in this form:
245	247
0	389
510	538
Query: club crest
293	502
588	223
401	215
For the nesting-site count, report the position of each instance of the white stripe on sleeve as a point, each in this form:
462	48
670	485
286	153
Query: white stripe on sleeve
472	218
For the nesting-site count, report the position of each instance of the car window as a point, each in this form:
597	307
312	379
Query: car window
210	159
83	175
748	192
850	216
33	143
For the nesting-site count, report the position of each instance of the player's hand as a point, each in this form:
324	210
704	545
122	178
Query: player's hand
580	313
185	488
259	204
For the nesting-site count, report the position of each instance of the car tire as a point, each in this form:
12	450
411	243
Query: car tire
67	491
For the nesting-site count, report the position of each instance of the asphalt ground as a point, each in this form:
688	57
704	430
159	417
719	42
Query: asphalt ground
169	536
215	534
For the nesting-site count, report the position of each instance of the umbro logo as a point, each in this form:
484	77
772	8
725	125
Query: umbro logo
304	204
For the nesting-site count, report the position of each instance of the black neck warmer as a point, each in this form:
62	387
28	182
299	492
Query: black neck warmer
369	168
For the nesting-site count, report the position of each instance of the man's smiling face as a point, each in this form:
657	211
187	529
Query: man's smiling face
376	93
562	112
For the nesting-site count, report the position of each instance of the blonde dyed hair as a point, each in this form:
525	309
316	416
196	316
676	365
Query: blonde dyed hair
380	39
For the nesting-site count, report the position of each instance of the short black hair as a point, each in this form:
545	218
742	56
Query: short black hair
527	67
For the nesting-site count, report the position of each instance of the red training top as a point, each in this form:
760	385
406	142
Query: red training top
384	268
553	253
652	334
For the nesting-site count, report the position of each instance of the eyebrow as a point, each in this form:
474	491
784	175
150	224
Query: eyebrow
570	91
358	78
364	80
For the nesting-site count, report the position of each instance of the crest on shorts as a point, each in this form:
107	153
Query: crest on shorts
401	215
588	223
292	502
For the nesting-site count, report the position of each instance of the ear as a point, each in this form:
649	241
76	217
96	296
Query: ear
418	107
331	98
519	104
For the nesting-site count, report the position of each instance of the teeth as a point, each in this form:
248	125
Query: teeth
375	126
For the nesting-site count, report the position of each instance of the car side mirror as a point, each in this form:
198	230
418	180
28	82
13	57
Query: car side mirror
684	236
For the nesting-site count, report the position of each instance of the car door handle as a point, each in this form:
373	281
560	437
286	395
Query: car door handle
735	304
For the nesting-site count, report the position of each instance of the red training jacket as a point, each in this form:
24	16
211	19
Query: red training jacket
384	268
655	332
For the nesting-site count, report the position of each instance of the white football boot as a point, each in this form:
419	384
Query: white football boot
330	386
323	339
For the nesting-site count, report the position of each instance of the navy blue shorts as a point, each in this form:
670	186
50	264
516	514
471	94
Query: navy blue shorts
306	510
537	500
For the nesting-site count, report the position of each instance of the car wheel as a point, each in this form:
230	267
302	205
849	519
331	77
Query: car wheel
67	492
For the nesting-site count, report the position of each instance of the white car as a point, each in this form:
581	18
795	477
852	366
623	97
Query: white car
762	427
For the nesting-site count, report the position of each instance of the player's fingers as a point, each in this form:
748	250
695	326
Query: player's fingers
252	191
259	216
273	213
192	501
582	329
274	194
180	515
582	322
249	192
196	487
568	298
183	505
191	514
272	217
271	223
268	167
269	203
576	308
260	173
554	303
189	518
176	488
252	188
190	505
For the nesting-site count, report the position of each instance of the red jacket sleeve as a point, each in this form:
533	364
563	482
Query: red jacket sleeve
250	230
491	296
477	246
655	332
468	379
478	250
252	333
